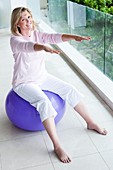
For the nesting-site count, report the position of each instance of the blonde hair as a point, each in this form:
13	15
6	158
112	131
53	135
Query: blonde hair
15	17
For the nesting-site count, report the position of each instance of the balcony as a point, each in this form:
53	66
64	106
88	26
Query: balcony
22	150
93	59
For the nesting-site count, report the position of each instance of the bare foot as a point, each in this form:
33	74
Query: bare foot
63	157
95	127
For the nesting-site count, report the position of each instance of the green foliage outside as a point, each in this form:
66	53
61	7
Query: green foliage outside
101	5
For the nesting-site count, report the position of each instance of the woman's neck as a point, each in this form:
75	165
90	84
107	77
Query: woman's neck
26	33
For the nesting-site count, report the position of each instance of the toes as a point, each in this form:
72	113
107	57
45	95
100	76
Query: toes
96	128
63	157
104	132
66	160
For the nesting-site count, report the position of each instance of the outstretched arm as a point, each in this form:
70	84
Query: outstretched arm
38	47
65	37
68	37
45	38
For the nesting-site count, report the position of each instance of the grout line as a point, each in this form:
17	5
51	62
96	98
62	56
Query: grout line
104	160
98	150
19	138
35	166
47	150
0	161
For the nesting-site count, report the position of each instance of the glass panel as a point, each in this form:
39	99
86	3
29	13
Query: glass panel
61	16
57	15
57	10
93	50
109	46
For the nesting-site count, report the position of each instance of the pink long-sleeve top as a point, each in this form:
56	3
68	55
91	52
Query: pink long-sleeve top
29	65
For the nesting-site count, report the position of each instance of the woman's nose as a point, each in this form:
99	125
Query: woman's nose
28	20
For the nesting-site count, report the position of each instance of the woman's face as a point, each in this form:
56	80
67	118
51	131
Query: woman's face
25	22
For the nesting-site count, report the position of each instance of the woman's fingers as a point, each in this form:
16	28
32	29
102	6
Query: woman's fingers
80	38
51	50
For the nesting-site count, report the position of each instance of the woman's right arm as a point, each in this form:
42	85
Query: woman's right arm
21	46
38	47
17	45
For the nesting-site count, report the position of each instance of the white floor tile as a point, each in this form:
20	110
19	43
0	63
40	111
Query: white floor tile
108	157
103	143
75	142
0	163
9	132
22	153
90	162
40	167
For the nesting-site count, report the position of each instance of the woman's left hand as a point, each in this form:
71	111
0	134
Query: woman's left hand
81	38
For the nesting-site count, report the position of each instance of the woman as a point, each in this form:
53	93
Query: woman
30	76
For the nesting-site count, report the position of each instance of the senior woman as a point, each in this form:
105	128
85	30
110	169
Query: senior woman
30	76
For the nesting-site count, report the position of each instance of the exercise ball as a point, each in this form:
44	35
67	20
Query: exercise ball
25	116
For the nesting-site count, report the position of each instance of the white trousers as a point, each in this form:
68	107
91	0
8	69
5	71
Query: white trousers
32	92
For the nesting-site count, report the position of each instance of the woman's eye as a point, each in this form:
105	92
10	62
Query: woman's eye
29	16
22	19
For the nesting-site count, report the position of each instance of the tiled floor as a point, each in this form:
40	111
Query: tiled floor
22	150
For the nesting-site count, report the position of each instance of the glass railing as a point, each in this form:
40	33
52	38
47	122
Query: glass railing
84	21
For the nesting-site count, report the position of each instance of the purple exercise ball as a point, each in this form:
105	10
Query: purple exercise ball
25	116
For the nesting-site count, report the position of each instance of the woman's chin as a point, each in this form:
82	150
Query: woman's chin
29	27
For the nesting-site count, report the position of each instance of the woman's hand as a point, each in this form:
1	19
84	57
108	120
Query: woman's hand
51	50
38	47
68	37
81	38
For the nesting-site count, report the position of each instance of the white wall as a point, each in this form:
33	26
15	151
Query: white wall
6	7
34	6
18	3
